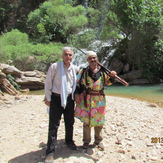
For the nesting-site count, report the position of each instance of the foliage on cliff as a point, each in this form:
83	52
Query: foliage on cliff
141	24
15	46
135	27
13	14
55	21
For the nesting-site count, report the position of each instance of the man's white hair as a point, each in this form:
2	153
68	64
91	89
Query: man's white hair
91	53
66	48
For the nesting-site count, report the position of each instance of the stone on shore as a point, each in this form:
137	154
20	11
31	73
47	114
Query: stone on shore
127	135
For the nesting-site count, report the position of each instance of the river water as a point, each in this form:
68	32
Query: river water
150	93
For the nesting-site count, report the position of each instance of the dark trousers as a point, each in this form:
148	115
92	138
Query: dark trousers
56	111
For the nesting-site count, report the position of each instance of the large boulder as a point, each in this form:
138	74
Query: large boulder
6	86
139	81
126	68
33	80
7	69
116	65
2	77
30	73
34	73
32	83
132	75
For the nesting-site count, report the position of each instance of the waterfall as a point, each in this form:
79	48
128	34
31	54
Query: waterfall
104	52
79	58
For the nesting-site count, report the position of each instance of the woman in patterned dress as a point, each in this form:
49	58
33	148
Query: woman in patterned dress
90	100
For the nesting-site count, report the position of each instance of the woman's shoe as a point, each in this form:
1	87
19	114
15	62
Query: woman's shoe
86	145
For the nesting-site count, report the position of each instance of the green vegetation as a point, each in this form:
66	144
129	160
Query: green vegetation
141	24
83	39
11	79
134	26
55	21
15	46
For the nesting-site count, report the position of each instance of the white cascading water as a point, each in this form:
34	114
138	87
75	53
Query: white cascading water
79	58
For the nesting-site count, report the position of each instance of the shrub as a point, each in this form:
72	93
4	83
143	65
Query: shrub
15	46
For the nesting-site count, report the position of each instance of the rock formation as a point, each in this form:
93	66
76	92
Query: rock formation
32	80
6	86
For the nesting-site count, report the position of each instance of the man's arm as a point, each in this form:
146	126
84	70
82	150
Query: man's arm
49	83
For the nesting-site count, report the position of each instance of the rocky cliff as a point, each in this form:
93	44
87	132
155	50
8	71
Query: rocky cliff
14	79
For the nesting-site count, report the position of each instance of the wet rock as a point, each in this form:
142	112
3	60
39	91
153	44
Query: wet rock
152	105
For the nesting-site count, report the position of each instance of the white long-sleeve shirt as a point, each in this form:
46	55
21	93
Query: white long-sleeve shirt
53	79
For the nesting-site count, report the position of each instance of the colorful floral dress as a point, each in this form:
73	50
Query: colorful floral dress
94	113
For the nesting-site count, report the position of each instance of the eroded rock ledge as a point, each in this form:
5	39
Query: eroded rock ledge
32	80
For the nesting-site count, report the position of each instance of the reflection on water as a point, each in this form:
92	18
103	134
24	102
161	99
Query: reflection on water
151	93
37	92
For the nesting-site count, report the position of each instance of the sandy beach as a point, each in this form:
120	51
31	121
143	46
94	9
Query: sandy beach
130	131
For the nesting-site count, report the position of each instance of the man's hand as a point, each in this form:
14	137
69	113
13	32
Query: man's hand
113	73
47	102
77	98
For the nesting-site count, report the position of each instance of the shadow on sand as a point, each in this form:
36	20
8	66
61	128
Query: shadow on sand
62	151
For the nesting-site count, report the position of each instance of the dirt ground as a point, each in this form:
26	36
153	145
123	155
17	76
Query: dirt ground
130	129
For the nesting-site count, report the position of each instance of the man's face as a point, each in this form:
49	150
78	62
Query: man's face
67	56
92	60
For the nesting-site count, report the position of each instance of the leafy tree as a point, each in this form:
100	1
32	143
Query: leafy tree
97	12
140	21
13	14
83	38
56	21
111	29
5	8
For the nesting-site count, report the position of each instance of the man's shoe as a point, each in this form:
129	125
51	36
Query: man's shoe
86	145
49	159
100	146
71	145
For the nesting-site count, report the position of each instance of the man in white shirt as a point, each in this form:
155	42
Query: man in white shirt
59	92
